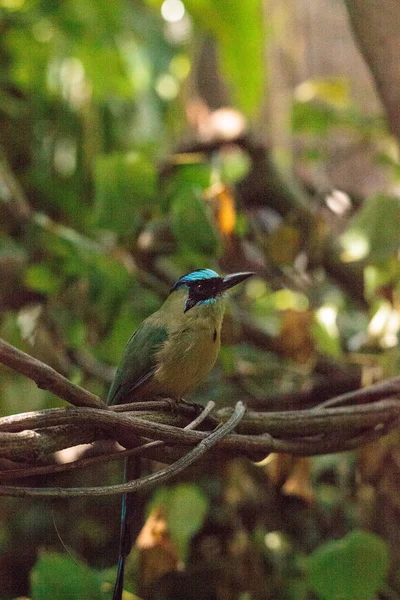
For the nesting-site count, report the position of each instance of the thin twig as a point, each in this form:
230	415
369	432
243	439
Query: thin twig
368	394
207	410
151	405
145	482
81	463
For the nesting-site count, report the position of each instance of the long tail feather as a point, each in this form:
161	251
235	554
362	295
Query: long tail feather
132	469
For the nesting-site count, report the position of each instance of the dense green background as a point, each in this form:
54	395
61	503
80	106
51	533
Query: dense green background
114	181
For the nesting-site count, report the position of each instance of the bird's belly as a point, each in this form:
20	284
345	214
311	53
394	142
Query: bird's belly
185	360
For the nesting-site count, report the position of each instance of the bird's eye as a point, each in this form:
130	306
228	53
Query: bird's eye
198	287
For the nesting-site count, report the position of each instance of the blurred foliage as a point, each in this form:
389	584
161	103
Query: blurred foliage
353	568
58	576
130	153
185	507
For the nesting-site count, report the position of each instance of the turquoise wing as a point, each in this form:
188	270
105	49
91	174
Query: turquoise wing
138	362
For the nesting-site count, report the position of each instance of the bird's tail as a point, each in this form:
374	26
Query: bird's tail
132	468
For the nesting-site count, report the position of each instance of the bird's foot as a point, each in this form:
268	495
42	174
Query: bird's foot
174	404
198	407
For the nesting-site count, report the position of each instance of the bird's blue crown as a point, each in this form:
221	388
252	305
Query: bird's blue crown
198	275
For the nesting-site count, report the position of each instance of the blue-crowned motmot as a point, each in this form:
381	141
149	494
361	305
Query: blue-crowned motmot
170	353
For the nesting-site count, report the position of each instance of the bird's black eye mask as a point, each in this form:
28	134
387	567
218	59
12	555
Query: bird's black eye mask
202	291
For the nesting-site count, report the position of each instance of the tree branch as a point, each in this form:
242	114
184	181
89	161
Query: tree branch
145	482
47	378
90	461
302	432
334	425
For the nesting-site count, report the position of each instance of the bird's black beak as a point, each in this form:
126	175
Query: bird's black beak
230	280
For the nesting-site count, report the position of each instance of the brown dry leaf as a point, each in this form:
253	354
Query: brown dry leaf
157	553
378	464
298	482
295	340
371	459
278	468
291	474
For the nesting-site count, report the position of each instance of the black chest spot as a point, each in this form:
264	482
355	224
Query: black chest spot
215	335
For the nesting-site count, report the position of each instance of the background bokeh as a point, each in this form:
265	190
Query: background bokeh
140	140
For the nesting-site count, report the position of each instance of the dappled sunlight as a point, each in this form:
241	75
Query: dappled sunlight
385	325
339	202
355	246
287	299
327	316
172	10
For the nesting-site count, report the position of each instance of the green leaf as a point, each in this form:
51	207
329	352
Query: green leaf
376	276
125	184
185	506
378	223
192	224
235	165
105	69
334	91
313	118
40	278
187	177
58	576
240	34
76	334
352	568
327	339
28	58
238	28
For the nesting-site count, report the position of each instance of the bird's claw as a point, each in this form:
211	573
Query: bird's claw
174	404
198	407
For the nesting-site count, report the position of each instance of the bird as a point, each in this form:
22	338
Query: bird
167	356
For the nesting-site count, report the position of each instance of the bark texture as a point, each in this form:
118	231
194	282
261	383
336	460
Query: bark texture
376	27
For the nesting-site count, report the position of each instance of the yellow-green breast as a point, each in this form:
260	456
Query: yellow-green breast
192	347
